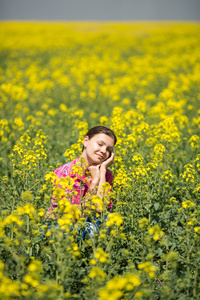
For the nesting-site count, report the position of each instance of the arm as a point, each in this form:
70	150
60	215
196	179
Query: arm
103	168
98	174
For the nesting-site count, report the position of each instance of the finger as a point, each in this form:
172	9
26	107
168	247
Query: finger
111	158
112	155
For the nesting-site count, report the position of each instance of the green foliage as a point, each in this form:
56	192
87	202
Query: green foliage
142	80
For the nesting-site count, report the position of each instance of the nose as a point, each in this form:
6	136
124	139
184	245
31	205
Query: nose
103	150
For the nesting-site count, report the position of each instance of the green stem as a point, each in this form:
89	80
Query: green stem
117	201
188	255
56	275
26	180
28	223
195	282
34	186
11	233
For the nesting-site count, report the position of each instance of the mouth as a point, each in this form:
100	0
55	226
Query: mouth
99	155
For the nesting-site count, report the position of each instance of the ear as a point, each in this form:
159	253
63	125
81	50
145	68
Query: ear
85	141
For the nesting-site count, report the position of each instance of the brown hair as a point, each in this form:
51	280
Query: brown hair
101	129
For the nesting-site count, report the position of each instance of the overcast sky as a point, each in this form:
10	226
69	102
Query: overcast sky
100	10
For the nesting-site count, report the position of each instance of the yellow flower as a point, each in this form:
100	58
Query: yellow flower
63	107
97	272
187	204
27	278
138	294
189	173
194	141
149	268
93	262
41	212
156	231
104	120
197	229
32	267
114	218
143	223
101	255
114	287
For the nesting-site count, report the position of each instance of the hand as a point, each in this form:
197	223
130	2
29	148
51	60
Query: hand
108	162
95	174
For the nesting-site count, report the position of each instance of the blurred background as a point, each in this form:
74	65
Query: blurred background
187	10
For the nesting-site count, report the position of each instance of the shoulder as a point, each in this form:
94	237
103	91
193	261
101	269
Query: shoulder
109	176
62	171
65	169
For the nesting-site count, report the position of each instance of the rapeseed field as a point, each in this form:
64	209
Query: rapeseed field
142	80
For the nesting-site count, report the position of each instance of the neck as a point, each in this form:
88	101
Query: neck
88	161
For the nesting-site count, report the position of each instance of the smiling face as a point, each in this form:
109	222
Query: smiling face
98	148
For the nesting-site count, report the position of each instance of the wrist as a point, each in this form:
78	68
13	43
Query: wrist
93	184
103	170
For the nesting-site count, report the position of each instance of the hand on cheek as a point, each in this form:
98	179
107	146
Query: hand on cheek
108	162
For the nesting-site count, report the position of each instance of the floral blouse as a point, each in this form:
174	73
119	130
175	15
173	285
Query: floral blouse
80	183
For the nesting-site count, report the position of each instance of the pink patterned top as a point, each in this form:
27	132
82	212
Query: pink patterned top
81	185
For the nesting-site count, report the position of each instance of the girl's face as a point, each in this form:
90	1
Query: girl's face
98	148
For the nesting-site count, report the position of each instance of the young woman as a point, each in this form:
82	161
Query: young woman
94	161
